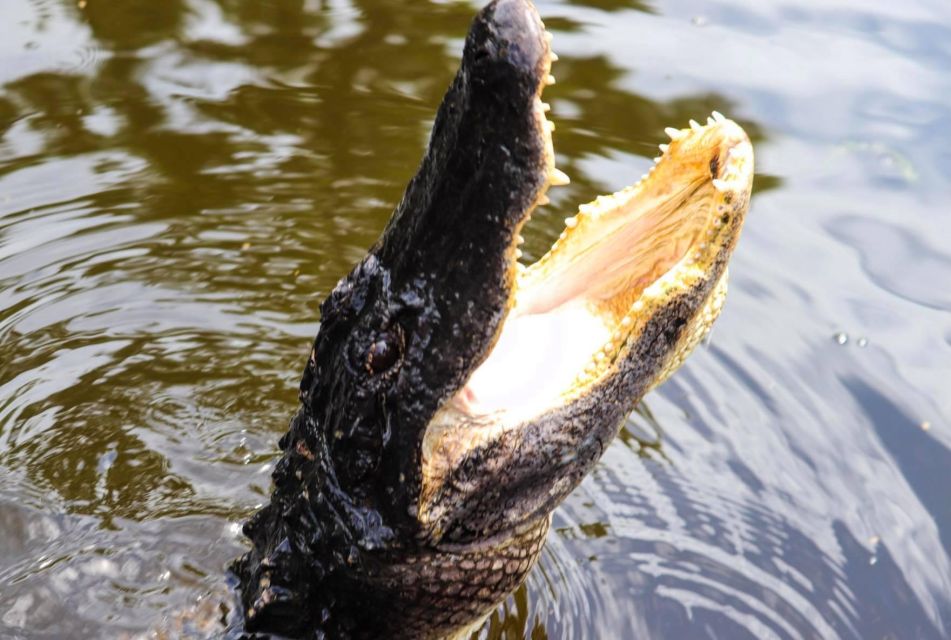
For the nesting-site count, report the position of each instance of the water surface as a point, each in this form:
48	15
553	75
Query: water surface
182	181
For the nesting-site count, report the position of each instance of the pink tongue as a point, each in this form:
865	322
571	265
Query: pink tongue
627	251
536	358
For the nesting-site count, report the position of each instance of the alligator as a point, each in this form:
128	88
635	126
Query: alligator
454	396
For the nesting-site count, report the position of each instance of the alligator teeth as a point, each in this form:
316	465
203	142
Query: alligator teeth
519	239
721	185
553	56
550	80
586	208
675	134
571	222
719	117
543	200
711	121
695	125
663	147
625	321
546	107
550	125
518	254
549	37
559	178
658	159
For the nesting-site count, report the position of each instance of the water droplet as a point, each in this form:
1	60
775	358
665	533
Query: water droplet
873	560
925	426
862	342
841	337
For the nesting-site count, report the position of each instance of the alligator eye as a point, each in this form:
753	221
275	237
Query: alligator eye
384	353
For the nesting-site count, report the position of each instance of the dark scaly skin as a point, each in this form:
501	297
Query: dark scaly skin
335	553
395	515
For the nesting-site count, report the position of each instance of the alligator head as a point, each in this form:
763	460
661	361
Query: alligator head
454	397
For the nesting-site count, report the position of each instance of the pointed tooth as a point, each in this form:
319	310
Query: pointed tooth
710	121
543	200
675	134
658	159
721	185
559	178
663	147
625	321
643	178
550	126
695	125
518	254
546	107
549	37
586	208
553	56
519	239
550	80
718	116
571	222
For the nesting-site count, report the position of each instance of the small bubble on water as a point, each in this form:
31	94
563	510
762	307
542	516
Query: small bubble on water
925	426
862	342
873	560
841	337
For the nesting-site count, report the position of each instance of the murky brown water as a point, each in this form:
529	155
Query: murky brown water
182	181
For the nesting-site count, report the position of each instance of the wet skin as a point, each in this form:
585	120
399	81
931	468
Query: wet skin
403	490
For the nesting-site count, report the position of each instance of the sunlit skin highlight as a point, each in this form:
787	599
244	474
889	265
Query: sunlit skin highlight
455	397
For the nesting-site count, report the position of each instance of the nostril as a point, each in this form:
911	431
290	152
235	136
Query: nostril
715	166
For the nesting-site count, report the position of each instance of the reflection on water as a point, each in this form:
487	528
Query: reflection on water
182	181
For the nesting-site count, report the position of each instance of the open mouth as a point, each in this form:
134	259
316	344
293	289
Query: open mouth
574	310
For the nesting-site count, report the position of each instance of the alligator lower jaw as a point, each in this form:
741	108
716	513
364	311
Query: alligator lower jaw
619	258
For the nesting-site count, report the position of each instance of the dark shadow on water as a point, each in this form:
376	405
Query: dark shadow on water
920	457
